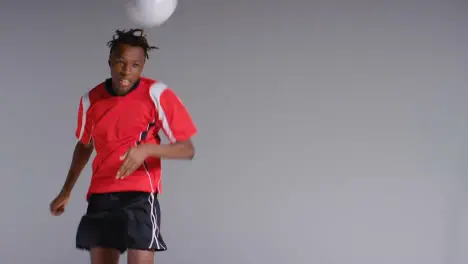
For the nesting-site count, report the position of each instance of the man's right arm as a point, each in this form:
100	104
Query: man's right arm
84	147
81	156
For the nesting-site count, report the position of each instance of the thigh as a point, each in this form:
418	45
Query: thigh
104	256
103	225
144	223
135	256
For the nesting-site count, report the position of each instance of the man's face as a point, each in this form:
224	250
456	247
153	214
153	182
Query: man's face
126	64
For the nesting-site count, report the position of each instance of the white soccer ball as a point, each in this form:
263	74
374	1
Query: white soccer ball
150	13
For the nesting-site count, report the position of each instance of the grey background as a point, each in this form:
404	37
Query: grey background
330	132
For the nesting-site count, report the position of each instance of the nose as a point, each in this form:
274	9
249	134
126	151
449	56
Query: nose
125	70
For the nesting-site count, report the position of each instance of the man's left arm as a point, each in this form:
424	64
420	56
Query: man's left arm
179	150
177	125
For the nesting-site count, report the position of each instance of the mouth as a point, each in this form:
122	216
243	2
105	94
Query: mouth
124	82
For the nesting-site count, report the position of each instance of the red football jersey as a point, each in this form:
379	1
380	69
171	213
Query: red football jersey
116	123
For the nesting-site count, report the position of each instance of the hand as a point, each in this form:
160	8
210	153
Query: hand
57	206
132	160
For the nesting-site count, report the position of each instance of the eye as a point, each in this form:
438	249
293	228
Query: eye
136	65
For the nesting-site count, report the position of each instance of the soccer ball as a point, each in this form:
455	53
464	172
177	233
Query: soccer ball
150	13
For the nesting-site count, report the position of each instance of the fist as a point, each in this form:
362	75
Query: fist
57	206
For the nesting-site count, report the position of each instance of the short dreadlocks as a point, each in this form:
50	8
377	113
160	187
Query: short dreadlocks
132	37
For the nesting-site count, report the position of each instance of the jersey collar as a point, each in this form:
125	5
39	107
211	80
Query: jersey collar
110	90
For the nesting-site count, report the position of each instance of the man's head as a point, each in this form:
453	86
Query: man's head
128	53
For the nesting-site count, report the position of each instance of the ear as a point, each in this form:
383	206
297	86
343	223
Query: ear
109	62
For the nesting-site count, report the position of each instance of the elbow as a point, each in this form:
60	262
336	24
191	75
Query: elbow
191	153
186	150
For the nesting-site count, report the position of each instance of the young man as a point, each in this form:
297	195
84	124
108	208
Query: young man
120	118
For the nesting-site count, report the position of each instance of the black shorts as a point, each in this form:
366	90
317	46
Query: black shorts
125	220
